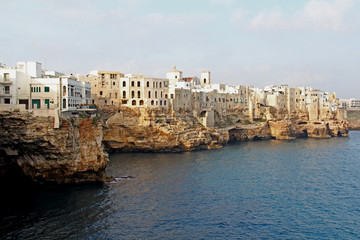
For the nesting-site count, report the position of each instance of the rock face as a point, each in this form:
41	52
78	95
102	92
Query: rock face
353	118
250	132
152	131
71	154
75	152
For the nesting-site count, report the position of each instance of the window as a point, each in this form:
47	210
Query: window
133	103
124	94
7	100
100	93
7	89
141	102
138	94
160	85
152	102
147	84
47	103
138	83
164	103
132	83
149	94
112	76
6	77
113	83
166	96
132	94
161	93
172	96
64	90
46	89
160	102
155	94
124	84
115	95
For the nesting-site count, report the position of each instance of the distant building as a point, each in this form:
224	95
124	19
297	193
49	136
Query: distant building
350	104
29	85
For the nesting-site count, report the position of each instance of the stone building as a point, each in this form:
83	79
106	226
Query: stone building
129	90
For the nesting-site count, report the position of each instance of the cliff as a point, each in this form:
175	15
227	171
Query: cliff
70	154
153	130
77	150
157	131
353	118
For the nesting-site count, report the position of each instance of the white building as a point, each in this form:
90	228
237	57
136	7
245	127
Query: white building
27	85
64	93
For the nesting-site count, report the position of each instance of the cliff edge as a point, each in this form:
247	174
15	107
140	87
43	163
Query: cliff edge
72	153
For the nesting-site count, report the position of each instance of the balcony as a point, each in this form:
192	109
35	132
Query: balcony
6	81
6	94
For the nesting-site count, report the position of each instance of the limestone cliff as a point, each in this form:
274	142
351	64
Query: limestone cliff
157	131
353	117
75	151
128	129
70	154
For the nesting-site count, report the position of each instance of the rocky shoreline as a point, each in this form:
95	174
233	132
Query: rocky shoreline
78	150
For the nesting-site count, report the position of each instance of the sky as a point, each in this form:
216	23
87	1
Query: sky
257	43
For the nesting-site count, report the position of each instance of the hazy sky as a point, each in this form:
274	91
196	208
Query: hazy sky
241	42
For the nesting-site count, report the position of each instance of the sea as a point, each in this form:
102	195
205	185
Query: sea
268	189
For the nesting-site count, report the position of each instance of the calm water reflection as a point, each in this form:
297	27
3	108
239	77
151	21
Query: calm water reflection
305	188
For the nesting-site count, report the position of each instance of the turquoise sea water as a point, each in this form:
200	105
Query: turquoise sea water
304	188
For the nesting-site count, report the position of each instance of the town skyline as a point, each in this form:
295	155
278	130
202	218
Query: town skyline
255	44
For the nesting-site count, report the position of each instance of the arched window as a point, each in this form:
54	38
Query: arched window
147	84
153	84
149	94
132	83
161	93
152	102
133	102
124	94
138	83
155	94
166	96
160	85
156	84
132	94
138	94
64	102
124	84
64	90
160	102
141	102
164	102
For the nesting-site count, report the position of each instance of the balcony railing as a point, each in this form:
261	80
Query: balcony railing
6	81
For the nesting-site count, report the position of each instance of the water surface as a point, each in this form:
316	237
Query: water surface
304	188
